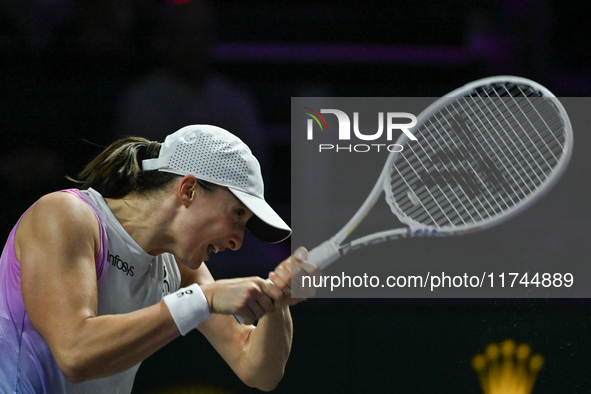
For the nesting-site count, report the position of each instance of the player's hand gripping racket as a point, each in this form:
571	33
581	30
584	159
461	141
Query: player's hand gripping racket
483	153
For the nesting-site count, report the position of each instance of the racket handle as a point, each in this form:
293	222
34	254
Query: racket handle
324	254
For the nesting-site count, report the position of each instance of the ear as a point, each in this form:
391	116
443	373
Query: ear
188	189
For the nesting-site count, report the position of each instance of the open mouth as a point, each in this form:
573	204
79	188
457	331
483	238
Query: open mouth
213	248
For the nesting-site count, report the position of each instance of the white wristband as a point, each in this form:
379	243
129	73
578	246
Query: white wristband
188	307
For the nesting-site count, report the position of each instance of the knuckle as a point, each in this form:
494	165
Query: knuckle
253	289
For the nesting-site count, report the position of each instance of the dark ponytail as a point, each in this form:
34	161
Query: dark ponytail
117	171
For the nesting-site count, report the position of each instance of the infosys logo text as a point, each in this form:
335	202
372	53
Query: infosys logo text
120	264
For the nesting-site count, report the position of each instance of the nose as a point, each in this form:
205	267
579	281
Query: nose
235	239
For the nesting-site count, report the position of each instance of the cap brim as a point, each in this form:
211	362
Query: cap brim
266	224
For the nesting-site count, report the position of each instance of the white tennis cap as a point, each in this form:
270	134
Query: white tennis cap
215	155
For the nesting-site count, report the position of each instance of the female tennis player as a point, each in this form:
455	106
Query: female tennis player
96	279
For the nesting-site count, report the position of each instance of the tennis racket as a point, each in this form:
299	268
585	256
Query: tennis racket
483	153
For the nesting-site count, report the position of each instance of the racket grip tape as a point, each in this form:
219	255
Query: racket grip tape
324	254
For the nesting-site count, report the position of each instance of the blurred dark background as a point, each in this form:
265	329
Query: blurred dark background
76	74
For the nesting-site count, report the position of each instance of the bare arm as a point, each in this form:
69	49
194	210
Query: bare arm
56	244
258	355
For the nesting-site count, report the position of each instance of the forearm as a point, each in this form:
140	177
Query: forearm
257	355
267	349
109	344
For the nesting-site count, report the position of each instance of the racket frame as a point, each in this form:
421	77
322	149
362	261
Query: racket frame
330	250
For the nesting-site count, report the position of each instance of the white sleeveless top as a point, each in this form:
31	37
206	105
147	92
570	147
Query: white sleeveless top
131	279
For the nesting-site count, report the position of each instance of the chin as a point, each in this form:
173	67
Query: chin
196	265
192	263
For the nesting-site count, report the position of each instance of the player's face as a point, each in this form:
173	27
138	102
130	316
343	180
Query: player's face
214	222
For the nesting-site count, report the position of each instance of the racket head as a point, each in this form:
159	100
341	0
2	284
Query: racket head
484	153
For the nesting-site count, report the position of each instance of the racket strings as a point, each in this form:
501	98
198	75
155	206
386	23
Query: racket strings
501	123
475	158
527	153
516	92
449	174
522	119
478	156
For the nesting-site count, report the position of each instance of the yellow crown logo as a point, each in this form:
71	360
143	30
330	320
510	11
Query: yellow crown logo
507	368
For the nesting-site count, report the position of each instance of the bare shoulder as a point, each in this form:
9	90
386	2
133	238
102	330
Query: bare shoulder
58	216
60	208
